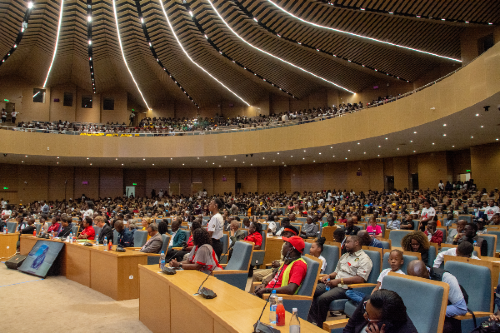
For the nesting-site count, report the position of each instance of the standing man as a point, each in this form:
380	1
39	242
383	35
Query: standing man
216	225
13	114
4	116
132	116
491	210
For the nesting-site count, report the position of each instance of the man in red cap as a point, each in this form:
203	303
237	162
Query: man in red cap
265	275
291	273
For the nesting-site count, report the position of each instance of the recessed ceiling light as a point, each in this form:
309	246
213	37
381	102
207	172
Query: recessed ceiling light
214	162
378	155
22	161
452	146
182	163
251	164
359	143
116	159
291	156
198	158
331	147
497	139
444	124
414	151
274	161
90	163
414	132
225	156
57	156
333	155
153	164
411	141
278	153
220	166
26	156
379	146
87	157
387	138
320	153
472	136
314	161
263	158
397	149
433	143
282	162
364	152
304	150
482	126
477	114
122	163
206	161
143	159
170	158
444	134
243	162
348	150
235	160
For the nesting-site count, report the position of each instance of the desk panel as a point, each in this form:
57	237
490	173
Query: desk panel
8	245
154	311
78	263
273	249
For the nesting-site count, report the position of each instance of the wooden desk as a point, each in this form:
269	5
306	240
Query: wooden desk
273	249
112	273
115	274
8	244
167	304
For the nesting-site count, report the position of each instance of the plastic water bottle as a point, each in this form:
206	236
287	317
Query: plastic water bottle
105	243
327	286
70	238
5	231
162	260
272	308
280	313
294	322
96	239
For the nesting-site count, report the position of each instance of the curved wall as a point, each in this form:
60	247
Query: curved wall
473	84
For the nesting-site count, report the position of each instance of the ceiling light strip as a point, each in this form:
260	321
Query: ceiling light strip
361	36
57	42
388	12
123	55
153	51
274	32
89	37
225	55
20	34
187	55
276	57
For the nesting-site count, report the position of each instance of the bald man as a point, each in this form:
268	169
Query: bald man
456	302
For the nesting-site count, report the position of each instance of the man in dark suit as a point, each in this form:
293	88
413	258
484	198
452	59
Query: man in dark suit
125	237
106	230
155	243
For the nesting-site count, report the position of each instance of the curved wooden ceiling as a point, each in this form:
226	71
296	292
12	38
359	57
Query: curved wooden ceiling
209	41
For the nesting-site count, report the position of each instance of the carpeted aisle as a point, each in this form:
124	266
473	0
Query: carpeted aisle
30	304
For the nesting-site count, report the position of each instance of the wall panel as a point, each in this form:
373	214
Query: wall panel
61	184
111	182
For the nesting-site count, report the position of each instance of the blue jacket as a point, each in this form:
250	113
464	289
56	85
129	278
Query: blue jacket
125	238
376	243
180	239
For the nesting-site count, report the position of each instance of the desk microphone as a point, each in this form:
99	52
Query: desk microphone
204	292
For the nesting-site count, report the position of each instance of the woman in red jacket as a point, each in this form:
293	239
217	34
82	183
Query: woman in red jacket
254	235
88	231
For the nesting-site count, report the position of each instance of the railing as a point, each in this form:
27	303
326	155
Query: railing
220	129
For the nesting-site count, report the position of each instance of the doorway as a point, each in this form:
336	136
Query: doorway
174	189
414	181
389	183
463	177
130	190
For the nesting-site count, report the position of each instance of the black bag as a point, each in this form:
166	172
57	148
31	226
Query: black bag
15	261
488	327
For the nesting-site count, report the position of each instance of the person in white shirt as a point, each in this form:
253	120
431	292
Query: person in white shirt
316	250
396	260
89	210
491	209
216	225
441	185
427	215
464	249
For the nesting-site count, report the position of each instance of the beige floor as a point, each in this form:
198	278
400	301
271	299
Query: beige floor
29	304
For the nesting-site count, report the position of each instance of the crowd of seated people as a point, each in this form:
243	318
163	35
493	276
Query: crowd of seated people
422	210
162	126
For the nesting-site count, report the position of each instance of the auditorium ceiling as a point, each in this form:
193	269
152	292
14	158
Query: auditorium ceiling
206	51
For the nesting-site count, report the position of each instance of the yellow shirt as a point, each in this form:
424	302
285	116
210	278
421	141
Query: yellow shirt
144	229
